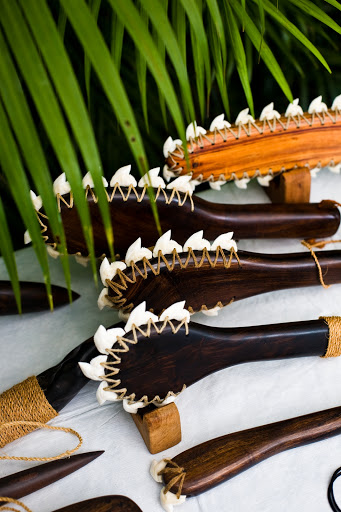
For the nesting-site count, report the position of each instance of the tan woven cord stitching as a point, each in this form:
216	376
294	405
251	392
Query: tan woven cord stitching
334	340
155	268
114	382
177	474
15	502
320	244
24	401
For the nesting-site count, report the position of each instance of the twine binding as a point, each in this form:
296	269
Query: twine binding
319	245
143	267
15	502
177	474
24	401
334	340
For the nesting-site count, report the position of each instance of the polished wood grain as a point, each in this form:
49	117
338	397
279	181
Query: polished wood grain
160	427
33	297
167	361
62	382
30	480
256	274
103	504
278	150
220	459
131	219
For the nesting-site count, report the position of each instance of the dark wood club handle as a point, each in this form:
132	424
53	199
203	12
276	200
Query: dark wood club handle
169	361
220	459
103	504
132	218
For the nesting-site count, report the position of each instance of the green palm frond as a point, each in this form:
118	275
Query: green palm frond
81	78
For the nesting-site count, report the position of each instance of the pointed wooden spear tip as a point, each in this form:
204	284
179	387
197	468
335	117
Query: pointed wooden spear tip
103	504
33	297
30	480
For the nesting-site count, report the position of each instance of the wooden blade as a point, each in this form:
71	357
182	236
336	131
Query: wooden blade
30	480
103	504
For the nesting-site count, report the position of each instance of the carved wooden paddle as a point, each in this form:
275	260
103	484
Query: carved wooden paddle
152	360
209	279
220	459
131	216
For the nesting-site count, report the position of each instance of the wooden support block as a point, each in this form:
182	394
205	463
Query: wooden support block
160	427
290	187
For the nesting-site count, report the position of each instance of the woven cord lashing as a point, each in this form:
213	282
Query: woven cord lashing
334	340
23	402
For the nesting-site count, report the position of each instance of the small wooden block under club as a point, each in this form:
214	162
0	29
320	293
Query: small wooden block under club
290	186
160	427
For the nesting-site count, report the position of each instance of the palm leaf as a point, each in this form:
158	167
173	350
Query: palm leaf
6	249
95	7
141	70
313	10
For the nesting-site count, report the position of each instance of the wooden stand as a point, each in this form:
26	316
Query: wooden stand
290	187
159	427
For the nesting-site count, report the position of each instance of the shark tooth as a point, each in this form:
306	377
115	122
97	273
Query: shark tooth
103	300
152	178
169	500
216	185
155	468
87	181
176	311
294	109
197	242
168	173
269	113
166	245
139	316
244	117
132	408
136	253
225	242
103	395
315	171
193	131
336	103
170	146
219	123
123	177
61	186
336	169
264	181
27	238
52	252
182	184
211	312
317	106
94	370
242	183
106	338
108	270
36	200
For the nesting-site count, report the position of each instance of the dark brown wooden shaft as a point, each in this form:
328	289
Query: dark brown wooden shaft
218	460
168	361
30	480
62	382
131	219
33	297
103	504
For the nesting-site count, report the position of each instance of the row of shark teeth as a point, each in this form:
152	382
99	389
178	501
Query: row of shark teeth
242	183
168	500
105	339
317	106
166	245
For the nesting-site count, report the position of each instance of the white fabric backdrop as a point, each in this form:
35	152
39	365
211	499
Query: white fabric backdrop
234	399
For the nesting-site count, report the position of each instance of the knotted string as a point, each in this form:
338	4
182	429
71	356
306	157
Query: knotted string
177	475
16	502
37	424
